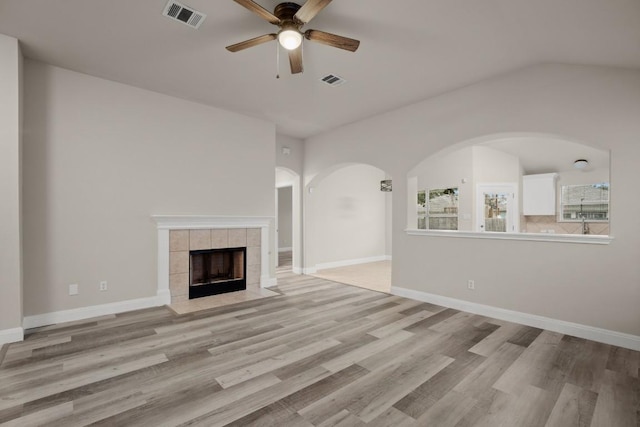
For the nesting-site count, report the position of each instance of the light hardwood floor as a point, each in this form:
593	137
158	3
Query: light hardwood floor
318	354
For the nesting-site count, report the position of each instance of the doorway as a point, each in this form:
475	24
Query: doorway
284	230
497	208
288	222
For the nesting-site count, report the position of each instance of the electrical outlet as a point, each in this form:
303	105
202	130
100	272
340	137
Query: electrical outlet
73	289
103	285
471	284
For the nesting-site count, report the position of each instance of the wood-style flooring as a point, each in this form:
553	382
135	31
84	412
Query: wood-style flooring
285	262
318	354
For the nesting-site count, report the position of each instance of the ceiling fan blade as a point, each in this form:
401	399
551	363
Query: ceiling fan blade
295	60
251	42
332	40
310	9
259	10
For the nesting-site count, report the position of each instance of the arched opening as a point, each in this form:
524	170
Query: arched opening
512	184
348	226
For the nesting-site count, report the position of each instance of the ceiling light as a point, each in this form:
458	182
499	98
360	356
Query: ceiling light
289	39
580	164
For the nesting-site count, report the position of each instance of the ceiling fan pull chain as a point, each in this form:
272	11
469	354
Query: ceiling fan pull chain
277	60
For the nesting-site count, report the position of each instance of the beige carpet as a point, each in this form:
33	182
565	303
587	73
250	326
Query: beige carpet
374	275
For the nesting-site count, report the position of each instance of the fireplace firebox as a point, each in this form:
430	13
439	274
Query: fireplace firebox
217	271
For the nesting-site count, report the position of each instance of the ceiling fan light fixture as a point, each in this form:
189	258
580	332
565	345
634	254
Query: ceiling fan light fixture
289	39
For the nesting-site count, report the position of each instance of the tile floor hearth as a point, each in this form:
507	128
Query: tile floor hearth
252	292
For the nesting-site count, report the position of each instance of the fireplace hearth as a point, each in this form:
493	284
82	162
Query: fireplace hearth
217	271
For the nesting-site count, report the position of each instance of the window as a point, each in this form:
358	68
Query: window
443	209
422	210
589	202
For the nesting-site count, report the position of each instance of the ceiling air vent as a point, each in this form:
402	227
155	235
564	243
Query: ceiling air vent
333	80
184	14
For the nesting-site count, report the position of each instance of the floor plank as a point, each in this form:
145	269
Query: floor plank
315	353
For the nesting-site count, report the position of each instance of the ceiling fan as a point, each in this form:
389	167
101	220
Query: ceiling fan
290	17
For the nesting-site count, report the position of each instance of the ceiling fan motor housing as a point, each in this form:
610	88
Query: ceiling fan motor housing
286	11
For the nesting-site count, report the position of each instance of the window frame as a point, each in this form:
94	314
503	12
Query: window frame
561	204
455	215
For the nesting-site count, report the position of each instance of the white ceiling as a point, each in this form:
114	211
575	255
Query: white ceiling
410	50
545	155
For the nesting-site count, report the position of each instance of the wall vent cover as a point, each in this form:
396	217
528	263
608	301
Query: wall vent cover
333	80
185	14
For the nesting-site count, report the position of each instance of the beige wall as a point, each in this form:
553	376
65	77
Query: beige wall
294	160
445	170
101	157
10	186
346	216
285	224
587	284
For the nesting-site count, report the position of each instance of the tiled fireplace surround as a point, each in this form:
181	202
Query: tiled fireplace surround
177	235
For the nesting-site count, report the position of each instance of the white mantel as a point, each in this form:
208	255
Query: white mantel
165	223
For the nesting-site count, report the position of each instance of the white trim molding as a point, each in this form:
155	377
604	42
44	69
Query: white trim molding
172	222
569	328
284	249
11	335
535	237
348	262
88	312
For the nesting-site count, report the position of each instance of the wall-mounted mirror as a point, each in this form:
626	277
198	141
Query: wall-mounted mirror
533	184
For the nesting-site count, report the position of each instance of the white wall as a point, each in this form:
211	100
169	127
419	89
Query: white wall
101	157
294	160
346	216
494	166
285	224
10	190
587	284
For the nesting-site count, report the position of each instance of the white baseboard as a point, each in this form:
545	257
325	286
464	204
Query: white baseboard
11	335
309	270
297	270
91	311
348	262
285	249
569	328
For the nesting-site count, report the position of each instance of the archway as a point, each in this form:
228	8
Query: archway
517	183
348	226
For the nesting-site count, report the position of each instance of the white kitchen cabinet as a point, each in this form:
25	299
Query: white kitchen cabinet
539	194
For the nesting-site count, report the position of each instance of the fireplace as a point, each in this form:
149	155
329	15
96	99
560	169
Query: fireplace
179	235
217	271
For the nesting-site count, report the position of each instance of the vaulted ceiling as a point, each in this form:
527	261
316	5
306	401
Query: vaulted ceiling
410	50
